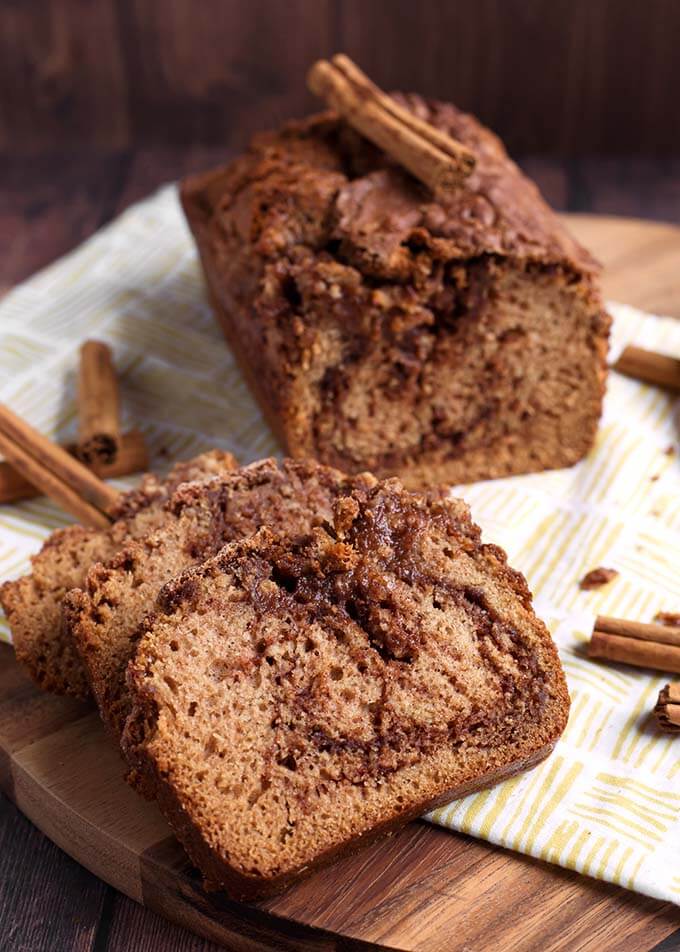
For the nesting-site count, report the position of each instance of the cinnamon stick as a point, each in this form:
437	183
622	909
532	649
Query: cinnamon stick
429	154
667	709
441	140
666	634
99	434
636	643
668	618
642	654
132	458
52	470
646	365
51	485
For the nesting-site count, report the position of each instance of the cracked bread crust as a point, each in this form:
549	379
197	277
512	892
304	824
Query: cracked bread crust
293	699
443	341
33	603
104	617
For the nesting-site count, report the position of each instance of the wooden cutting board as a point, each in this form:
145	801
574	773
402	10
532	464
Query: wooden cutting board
423	889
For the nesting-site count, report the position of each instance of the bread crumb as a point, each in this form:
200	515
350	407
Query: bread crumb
667	618
596	578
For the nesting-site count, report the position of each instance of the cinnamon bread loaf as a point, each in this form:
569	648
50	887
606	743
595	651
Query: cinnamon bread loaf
443	340
33	603
294	698
104	617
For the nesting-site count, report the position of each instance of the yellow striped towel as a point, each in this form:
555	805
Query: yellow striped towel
607	803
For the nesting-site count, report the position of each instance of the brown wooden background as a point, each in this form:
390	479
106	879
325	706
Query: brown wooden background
552	76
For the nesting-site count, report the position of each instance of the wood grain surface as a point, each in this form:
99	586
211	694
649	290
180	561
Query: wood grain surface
629	248
414	891
572	76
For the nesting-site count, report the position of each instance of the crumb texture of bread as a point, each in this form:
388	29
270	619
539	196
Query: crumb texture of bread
294	698
442	341
33	603
104	617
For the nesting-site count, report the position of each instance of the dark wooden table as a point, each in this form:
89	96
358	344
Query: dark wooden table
50	203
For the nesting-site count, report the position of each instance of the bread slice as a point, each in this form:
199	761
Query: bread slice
293	699
104	617
33	603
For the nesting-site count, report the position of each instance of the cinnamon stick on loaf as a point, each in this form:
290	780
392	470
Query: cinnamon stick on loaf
429	154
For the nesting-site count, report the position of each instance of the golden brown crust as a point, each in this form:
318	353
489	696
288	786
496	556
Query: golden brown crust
497	210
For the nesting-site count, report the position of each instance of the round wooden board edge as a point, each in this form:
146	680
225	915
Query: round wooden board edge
639	259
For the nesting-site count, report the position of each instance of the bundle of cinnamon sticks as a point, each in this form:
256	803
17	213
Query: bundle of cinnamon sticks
636	643
33	464
429	154
645	646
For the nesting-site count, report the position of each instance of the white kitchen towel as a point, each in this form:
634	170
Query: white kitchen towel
607	802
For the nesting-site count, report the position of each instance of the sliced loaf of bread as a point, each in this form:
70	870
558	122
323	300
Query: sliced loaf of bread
33	603
104	617
293	698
